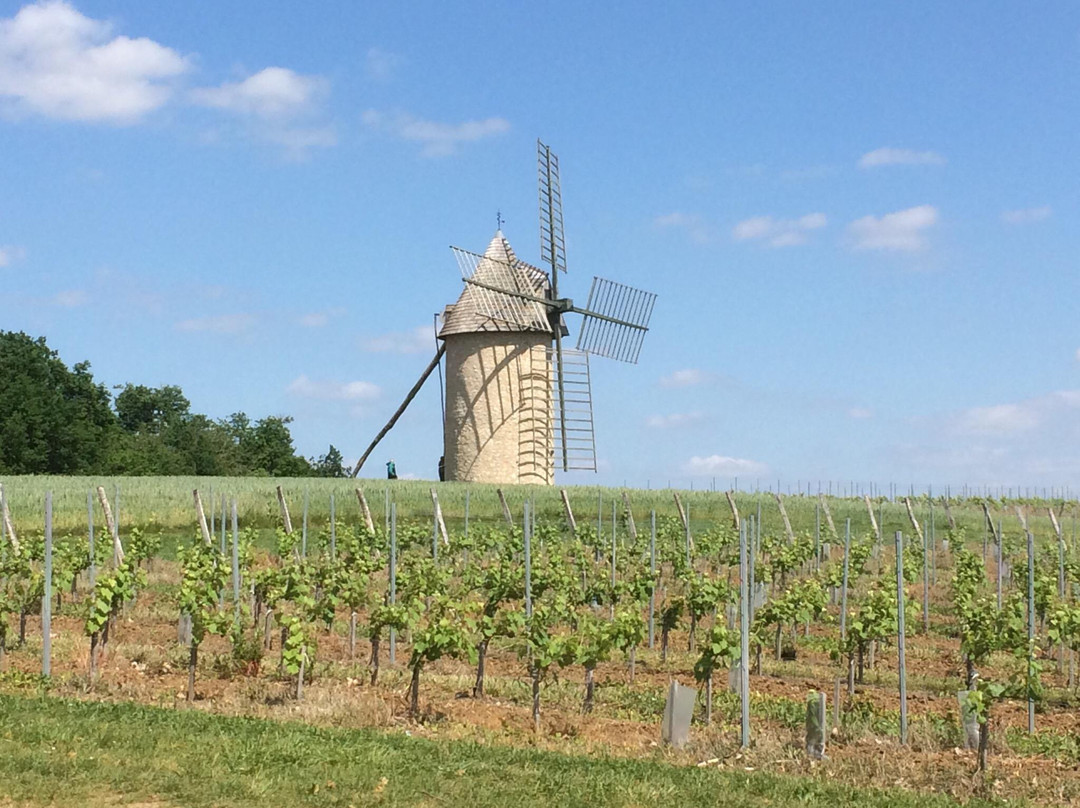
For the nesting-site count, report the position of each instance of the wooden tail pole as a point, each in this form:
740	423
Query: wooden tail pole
912	519
784	516
284	511
505	508
118	548
828	516
630	526
5	514
439	517
569	513
201	514
873	518
734	509
397	414
366	511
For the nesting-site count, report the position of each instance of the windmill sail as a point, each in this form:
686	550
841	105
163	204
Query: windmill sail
552	241
553	253
499	287
573	432
615	320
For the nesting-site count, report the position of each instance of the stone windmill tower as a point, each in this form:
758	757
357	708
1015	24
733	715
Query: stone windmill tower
498	376
517	402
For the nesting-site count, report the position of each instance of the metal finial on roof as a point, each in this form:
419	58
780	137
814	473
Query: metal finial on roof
498	220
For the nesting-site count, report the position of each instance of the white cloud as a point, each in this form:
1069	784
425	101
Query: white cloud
419	340
900	157
756	227
687	377
998	419
718	464
218	324
778	232
1013	418
694	226
57	63
1069	398
274	93
318	319
314	320
675	420
327	390
436	139
71	298
860	413
381	65
9	254
1029	441
277	104
1078	354
902	231
1026	215
298	141
811	173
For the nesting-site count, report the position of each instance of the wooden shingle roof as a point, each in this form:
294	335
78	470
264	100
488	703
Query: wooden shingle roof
479	309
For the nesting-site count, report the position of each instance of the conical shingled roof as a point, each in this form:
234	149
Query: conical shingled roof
479	309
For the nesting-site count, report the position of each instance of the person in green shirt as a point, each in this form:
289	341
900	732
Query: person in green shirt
391	470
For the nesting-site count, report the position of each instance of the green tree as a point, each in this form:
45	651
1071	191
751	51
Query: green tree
266	446
52	420
143	409
55	420
331	464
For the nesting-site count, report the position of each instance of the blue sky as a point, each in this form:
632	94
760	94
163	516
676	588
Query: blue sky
860	218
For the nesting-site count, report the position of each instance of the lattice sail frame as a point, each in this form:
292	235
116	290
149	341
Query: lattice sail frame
512	279
621	340
573	434
552	240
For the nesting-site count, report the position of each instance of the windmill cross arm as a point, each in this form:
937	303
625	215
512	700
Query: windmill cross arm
587	313
562	305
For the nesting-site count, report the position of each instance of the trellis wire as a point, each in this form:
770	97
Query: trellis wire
46	600
392	572
744	640
1030	629
843	602
92	569
235	561
303	528
901	661
527	537
333	529
652	578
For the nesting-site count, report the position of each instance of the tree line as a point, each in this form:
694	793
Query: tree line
58	420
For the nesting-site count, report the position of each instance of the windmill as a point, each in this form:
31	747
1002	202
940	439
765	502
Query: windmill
517	400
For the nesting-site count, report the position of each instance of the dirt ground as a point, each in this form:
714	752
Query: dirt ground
145	663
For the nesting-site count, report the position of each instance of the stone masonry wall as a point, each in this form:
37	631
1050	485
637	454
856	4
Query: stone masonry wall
498	426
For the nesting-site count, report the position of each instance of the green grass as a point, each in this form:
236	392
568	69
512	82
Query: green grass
62	753
167	501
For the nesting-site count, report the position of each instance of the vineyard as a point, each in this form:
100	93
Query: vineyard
940	631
